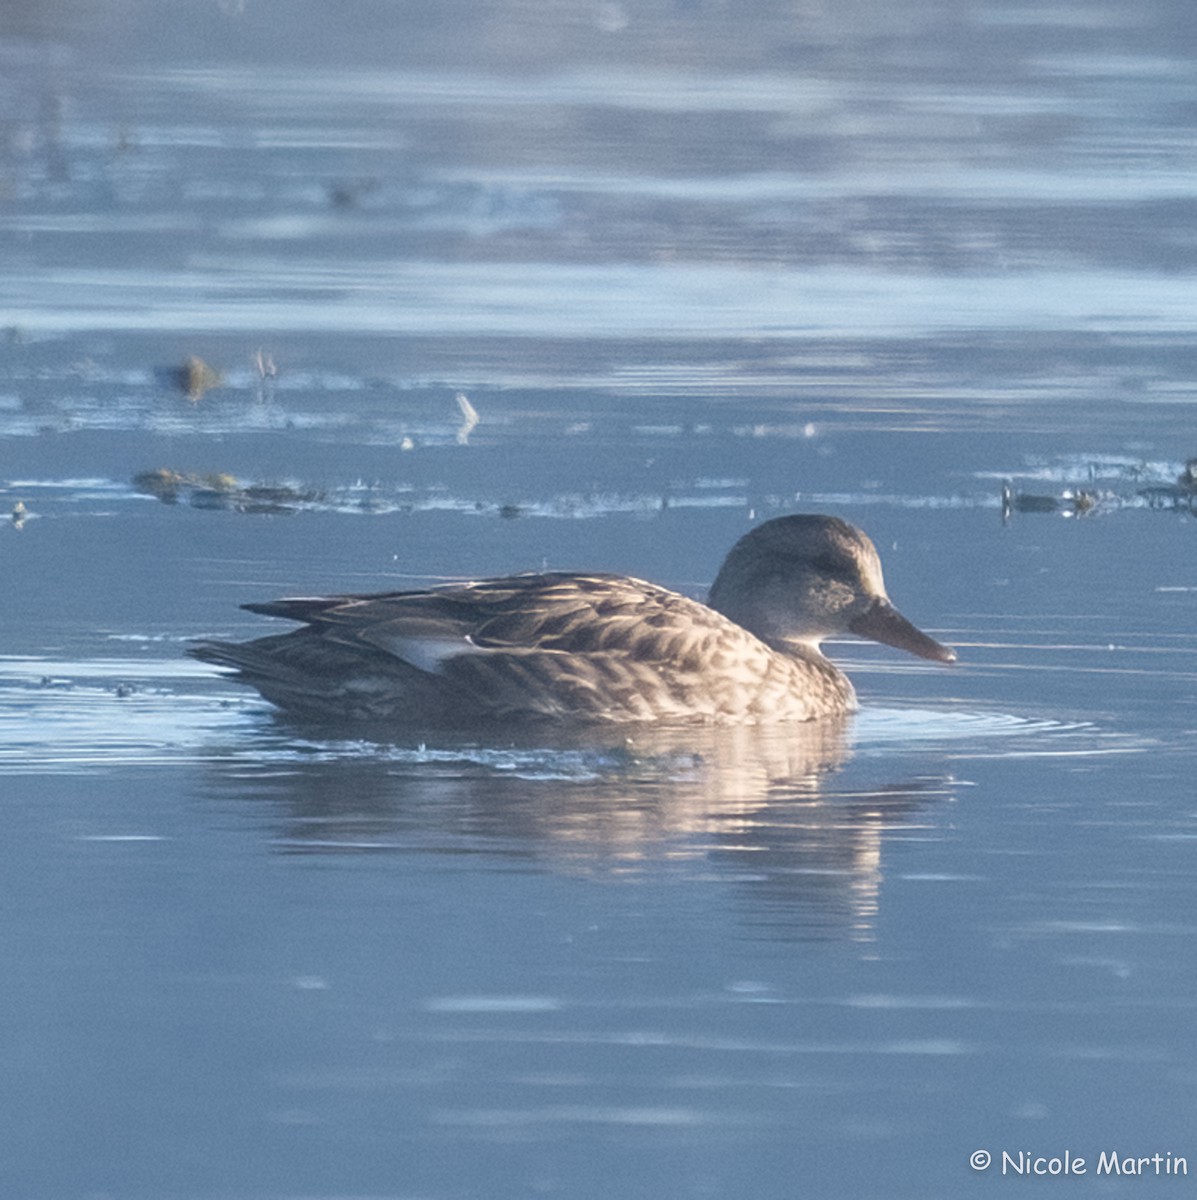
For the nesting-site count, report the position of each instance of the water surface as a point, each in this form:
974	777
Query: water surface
298	301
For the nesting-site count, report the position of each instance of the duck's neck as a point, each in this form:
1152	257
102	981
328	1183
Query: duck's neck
830	691
759	613
745	609
835	685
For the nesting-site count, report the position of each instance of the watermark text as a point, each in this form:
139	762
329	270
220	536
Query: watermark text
1068	1162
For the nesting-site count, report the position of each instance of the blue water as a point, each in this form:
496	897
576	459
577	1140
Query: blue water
689	268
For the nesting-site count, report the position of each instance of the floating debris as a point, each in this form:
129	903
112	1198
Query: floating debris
224	492
1068	503
264	365
194	378
1182	494
1104	482
19	514
1170	496
277	498
167	485
469	418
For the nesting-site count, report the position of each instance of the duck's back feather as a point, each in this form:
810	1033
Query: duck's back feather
595	647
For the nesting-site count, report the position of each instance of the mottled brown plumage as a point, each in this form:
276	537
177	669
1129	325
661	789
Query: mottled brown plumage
577	647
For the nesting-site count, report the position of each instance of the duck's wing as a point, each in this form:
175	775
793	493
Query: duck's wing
556	614
595	646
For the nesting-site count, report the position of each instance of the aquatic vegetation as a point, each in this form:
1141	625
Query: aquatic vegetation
194	378
218	490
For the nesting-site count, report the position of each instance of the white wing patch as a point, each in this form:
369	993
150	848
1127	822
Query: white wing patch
427	653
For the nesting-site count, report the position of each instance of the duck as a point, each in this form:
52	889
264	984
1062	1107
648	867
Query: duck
603	648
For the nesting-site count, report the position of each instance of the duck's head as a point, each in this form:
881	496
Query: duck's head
805	578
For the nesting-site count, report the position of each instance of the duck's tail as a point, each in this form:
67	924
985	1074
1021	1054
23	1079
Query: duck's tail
316	679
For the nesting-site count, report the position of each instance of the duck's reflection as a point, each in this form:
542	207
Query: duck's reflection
779	812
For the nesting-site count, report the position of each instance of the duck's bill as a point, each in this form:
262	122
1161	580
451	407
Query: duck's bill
883	623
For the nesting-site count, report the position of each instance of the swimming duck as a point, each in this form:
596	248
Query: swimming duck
606	648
